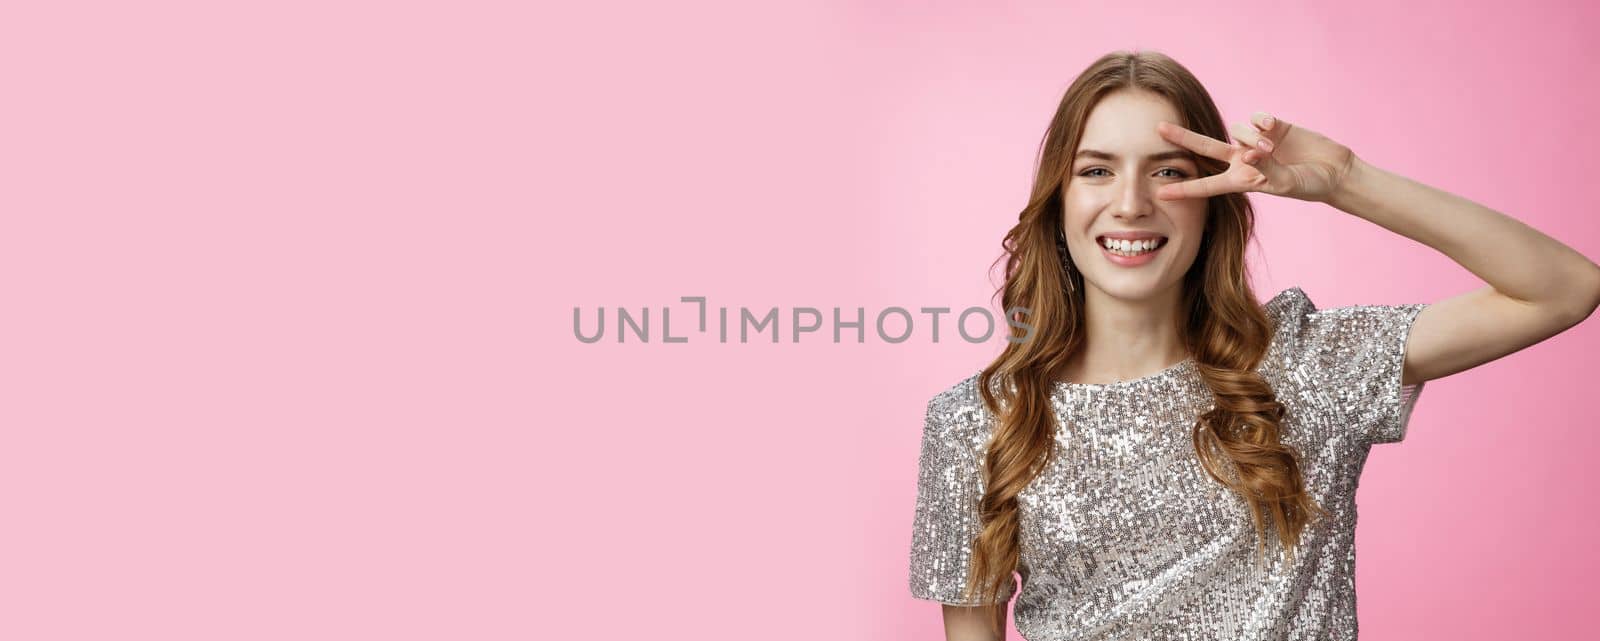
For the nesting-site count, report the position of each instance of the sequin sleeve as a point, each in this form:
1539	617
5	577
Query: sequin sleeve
1356	354
949	486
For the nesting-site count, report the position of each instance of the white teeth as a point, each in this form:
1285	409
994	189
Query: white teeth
1130	247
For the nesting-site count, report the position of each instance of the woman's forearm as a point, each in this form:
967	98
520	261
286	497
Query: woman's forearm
1519	261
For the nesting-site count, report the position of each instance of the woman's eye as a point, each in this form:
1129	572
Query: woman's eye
1175	172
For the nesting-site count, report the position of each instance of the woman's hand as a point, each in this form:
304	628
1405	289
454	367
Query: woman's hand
1268	155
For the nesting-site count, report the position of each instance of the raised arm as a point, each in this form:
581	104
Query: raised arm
1537	287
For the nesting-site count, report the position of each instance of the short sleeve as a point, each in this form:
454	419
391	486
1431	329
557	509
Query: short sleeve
1357	355
949	487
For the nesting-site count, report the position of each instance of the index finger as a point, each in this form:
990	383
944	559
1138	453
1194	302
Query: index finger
1198	188
1198	143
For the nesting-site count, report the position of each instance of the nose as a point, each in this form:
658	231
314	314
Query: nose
1134	199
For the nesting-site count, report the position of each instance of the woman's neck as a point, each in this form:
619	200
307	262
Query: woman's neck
1127	339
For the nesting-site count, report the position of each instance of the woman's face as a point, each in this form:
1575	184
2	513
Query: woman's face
1110	193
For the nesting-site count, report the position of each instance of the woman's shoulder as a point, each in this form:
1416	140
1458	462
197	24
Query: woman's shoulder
959	408
1355	355
1285	311
1299	326
1289	303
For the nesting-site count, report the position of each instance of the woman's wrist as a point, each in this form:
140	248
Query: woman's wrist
1353	187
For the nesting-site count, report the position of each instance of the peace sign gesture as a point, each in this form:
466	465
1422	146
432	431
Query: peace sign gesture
1268	155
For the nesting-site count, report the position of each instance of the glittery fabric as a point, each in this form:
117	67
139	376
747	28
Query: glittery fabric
1124	535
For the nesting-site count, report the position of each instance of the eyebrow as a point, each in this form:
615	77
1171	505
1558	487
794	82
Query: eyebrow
1165	155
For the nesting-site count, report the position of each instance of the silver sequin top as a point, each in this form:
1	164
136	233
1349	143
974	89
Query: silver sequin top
1124	535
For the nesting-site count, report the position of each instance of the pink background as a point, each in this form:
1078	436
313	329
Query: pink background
289	354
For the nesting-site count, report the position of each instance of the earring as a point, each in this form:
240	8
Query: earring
1066	260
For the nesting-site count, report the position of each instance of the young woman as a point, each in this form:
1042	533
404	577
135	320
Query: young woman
1165	457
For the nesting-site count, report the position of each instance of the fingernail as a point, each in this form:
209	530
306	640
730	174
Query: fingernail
1267	122
1265	145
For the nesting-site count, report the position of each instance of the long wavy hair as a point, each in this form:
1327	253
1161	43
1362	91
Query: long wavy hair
1222	326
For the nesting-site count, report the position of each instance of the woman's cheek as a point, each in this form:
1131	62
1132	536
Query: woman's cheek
1081	203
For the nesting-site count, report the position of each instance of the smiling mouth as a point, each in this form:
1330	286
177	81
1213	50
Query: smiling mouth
1132	247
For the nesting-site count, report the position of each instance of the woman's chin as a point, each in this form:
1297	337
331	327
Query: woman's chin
1131	287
